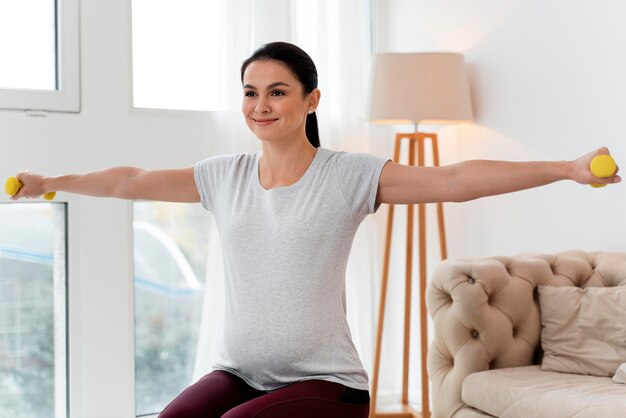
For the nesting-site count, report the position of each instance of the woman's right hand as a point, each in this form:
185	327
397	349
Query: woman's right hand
33	185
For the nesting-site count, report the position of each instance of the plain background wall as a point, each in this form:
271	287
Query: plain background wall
548	84
547	81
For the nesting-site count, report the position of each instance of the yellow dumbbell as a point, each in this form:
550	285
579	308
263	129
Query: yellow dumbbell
13	185
602	166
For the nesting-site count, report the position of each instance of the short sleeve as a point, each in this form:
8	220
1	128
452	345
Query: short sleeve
209	175
358	175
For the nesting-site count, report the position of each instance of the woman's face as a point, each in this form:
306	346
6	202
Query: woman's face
274	104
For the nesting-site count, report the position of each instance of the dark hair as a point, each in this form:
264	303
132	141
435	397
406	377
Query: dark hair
303	68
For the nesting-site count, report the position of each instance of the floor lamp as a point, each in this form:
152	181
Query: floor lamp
415	88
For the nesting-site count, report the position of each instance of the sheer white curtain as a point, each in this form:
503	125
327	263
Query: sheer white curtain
337	36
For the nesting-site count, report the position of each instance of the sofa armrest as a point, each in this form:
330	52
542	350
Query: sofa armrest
485	317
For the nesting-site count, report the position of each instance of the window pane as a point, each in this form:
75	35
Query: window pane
33	305
28	44
174	44
171	247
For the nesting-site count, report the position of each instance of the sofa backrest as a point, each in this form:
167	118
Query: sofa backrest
486	312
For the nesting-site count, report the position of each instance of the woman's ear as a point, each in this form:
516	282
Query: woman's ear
314	99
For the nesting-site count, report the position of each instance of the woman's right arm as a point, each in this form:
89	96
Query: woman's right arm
174	185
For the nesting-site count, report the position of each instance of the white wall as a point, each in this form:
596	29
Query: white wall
548	83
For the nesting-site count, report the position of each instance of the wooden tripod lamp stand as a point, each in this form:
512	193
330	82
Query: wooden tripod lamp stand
416	88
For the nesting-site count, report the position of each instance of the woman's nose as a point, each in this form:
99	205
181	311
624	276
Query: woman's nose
262	106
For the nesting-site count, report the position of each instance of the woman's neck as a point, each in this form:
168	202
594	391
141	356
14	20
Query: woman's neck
284	164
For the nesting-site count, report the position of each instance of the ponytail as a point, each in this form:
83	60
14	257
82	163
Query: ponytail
312	133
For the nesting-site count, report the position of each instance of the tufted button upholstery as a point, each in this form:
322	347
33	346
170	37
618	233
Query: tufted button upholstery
486	312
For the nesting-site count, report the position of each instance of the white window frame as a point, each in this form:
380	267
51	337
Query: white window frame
67	97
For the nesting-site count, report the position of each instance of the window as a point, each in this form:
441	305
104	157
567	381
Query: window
32	22
174	49
170	253
33	310
39	55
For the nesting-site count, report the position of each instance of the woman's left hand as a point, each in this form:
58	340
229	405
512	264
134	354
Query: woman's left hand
581	169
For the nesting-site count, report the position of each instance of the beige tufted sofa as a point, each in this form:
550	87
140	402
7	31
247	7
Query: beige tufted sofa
486	316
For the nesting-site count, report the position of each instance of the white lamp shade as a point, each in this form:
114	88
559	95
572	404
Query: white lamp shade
427	88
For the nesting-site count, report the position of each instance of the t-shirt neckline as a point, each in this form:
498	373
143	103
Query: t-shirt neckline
311	168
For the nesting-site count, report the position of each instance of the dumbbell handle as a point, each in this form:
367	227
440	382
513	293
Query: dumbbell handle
13	185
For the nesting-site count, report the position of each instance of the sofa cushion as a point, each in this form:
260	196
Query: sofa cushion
620	374
467	412
584	330
522	392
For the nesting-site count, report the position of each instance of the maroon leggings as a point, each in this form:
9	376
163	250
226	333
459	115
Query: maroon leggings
222	394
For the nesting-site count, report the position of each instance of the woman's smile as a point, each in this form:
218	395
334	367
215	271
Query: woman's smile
264	121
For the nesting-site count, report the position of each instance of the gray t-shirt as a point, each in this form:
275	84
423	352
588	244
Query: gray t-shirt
285	256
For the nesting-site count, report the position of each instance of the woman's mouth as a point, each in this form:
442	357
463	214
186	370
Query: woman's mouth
264	122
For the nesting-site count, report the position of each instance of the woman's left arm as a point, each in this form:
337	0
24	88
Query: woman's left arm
468	180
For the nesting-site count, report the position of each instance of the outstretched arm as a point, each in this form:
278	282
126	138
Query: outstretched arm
473	179
176	185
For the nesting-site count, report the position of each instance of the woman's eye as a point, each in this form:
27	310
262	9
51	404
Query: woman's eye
249	94
278	93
